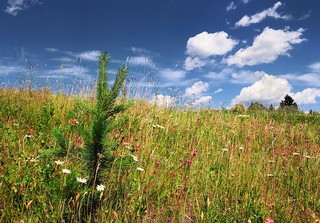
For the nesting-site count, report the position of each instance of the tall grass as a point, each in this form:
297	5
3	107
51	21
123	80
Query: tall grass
189	166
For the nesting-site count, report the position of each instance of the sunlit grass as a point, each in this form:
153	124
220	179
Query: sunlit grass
188	165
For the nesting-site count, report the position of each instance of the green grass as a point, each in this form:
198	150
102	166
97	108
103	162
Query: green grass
199	166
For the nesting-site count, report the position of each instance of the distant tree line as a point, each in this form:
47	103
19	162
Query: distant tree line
286	105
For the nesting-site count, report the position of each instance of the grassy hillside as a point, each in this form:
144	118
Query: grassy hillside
183	166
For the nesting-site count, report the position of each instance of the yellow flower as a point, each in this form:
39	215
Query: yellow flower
58	162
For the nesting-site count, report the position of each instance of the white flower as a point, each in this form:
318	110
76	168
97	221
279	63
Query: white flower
58	162
81	180
67	171
140	169
100	187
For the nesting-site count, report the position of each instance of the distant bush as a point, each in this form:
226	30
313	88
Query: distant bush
255	106
239	108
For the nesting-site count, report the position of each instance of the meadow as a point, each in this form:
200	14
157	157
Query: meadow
102	157
197	165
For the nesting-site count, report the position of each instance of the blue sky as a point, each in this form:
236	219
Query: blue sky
216	53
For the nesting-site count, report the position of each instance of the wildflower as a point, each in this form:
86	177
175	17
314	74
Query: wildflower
140	169
58	162
189	162
66	171
269	220
100	187
81	180
157	164
134	158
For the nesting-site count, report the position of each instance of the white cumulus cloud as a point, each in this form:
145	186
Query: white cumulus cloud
207	44
268	90
196	89
267	47
163	101
258	17
307	96
203	100
15	6
193	63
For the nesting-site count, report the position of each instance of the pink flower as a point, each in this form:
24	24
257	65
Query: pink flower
189	162
269	220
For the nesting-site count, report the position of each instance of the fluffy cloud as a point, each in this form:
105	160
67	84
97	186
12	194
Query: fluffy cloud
307	96
163	101
142	61
256	18
207	44
231	6
196	89
267	47
15	6
203	100
172	75
193	63
268	90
